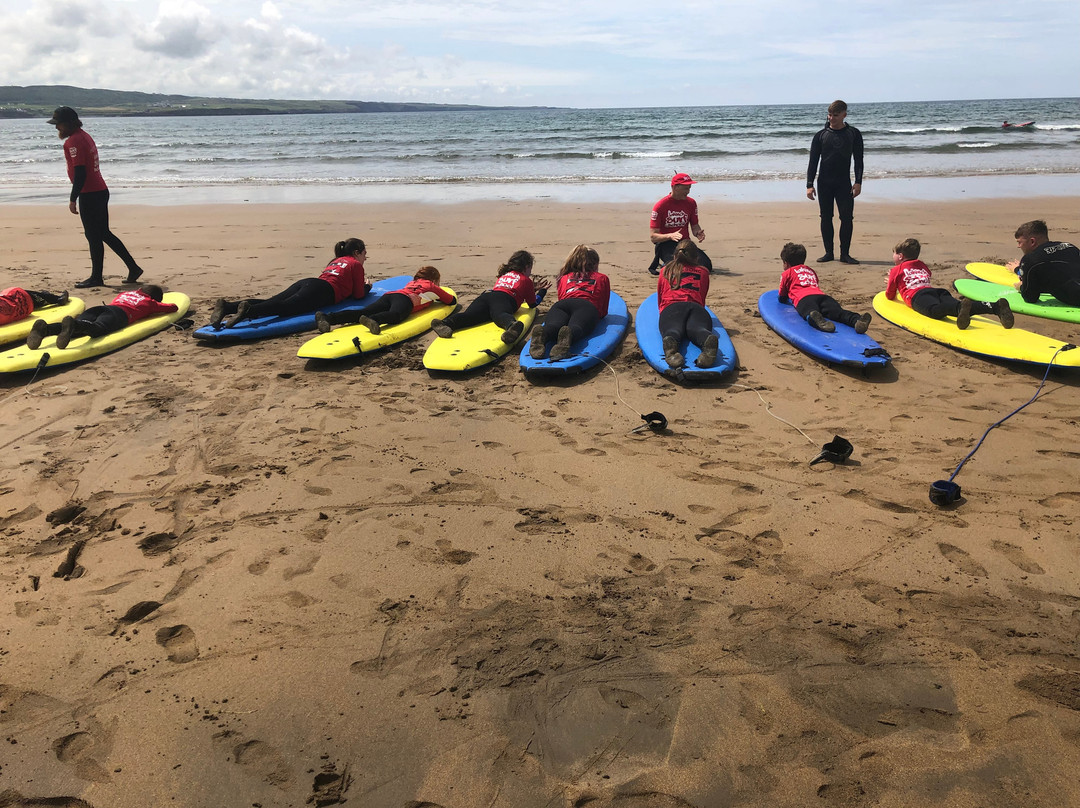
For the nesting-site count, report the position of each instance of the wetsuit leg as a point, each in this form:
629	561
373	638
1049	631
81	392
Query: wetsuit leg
936	303
306	295
832	310
503	308
477	312
673	320
698	325
94	212
825	198
558	316
99	321
44	298
845	207
352	316
394	309
583	318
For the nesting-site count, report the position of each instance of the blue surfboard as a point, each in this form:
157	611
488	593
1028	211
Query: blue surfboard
263	327
841	347
585	353
647	328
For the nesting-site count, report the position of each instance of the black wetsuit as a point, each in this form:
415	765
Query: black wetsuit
1051	268
835	149
94	213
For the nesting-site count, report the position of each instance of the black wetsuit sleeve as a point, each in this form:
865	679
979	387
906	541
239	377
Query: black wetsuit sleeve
815	155
78	182
857	152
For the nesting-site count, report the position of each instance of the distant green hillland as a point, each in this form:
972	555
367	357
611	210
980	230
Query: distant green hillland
40	101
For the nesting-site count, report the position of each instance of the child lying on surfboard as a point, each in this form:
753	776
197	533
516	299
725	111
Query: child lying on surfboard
911	279
680	294
393	307
126	308
17	304
343	278
584	292
514	287
799	287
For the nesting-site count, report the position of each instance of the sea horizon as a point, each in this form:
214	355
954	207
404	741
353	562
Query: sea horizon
914	150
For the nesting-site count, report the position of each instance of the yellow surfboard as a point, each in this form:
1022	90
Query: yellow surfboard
21	358
19	329
353	340
475	347
984	336
995	273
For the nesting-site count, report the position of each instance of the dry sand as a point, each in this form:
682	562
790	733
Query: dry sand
230	579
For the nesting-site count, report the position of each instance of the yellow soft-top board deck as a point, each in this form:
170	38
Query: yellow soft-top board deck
984	336
19	329
995	273
22	358
353	340
475	347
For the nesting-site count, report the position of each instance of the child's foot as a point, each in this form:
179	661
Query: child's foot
561	348
1004	313
133	275
322	325
67	329
442	329
241	314
671	353
90	283
219	313
38	331
707	357
62	299
536	342
818	321
963	318
862	323
513	331
369	324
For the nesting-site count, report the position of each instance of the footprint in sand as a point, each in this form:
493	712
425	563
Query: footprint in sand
646	799
257	756
1017	556
964	562
179	641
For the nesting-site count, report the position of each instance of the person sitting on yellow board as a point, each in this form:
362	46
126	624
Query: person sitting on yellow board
910	278
126	308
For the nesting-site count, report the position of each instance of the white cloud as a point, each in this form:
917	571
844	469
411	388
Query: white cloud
606	52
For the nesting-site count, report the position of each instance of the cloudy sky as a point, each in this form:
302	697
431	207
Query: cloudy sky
596	53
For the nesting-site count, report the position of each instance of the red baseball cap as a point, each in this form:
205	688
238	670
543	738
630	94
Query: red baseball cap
682	179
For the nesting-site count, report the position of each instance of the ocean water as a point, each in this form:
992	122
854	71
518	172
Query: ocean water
619	154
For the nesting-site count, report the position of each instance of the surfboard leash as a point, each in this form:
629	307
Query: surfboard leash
655	421
945	492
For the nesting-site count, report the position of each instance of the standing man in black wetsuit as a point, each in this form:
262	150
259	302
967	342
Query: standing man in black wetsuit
835	146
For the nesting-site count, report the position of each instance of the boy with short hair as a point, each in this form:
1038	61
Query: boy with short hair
799	286
1048	267
911	279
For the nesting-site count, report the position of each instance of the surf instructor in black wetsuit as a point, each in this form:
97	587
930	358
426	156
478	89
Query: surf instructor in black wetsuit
835	147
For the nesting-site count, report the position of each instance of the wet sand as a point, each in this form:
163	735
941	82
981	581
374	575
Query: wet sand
234	578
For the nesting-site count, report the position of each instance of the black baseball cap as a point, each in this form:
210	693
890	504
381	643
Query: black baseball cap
64	115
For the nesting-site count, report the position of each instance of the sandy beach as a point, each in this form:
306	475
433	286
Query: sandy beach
232	578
